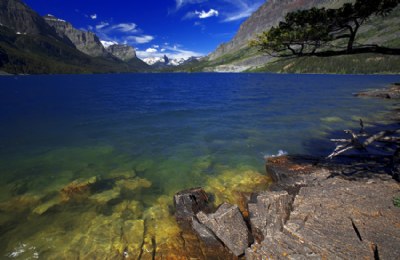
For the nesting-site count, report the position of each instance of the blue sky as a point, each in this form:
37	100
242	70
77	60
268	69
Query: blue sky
178	28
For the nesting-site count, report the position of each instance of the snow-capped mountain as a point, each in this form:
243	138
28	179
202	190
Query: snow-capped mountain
165	61
153	60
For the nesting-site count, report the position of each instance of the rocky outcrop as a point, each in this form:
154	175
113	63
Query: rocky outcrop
330	217
122	51
189	202
268	213
314	210
228	225
86	42
392	92
268	15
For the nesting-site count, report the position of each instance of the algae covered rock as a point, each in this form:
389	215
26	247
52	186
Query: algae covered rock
106	196
42	208
78	187
235	186
133	184
20	203
129	209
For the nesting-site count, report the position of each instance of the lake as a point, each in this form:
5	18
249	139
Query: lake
85	159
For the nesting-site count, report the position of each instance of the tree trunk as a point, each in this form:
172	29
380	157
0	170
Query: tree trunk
352	37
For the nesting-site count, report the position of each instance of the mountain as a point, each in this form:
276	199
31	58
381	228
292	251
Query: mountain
17	16
268	15
161	62
156	60
29	45
121	51
86	42
237	56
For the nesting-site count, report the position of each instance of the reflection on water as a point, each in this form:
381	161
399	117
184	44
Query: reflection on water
89	164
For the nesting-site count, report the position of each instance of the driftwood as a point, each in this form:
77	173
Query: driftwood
360	141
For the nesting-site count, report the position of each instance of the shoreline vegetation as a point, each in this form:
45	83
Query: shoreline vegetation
320	208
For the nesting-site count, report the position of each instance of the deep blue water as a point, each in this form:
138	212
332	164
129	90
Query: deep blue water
175	130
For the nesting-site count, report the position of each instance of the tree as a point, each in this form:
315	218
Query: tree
346	21
304	31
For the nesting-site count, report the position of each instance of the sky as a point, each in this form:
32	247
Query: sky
176	28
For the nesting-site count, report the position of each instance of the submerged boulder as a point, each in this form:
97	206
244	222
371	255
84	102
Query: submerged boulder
78	187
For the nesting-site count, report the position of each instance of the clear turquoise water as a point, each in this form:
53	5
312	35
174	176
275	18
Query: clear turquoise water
175	131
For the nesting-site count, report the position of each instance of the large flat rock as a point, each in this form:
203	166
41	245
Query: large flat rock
329	218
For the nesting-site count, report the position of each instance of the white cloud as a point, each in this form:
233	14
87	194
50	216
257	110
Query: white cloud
181	3
125	27
203	14
139	39
127	33
174	52
156	46
93	16
244	8
151	50
102	25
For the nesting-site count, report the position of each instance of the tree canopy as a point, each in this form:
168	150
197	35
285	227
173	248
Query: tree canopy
304	31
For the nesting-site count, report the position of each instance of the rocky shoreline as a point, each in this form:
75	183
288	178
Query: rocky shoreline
311	211
315	209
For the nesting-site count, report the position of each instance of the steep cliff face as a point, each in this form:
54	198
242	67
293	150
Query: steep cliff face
268	15
122	51
18	17
86	42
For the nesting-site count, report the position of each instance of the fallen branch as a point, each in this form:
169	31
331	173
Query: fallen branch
343	145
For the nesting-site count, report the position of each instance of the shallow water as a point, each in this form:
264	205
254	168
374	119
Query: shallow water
83	157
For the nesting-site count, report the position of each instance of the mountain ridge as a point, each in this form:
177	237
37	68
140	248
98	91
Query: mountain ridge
267	15
29	45
84	41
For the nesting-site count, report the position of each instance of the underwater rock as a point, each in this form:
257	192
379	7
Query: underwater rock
129	209
235	186
42	208
133	184
20	203
392	92
102	238
78	187
144	165
189	202
118	174
133	238
160	223
228	225
106	196
148	248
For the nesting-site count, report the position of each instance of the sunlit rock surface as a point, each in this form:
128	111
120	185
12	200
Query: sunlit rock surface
331	216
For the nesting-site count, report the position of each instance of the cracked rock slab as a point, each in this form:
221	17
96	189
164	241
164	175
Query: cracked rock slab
330	217
228	225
